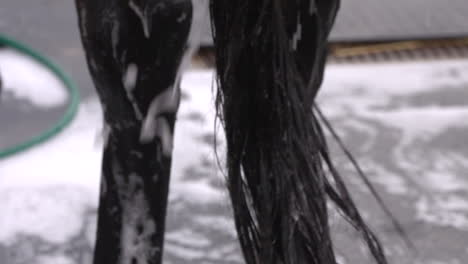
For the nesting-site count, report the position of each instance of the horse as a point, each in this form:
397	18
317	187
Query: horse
270	59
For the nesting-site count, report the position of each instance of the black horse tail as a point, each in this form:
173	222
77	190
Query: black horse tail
270	56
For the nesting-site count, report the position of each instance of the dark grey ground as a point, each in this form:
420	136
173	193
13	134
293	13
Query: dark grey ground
373	20
50	27
400	19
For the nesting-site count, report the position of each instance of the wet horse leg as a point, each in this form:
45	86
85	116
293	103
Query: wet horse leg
134	50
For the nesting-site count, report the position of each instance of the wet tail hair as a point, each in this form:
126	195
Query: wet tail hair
276	149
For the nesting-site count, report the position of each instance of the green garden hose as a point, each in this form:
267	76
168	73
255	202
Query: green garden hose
67	117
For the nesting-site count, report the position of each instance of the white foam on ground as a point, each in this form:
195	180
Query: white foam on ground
188	237
46	190
28	80
54	214
54	260
30	182
392	182
199	192
187	151
444	181
393	78
358	87
358	96
449	212
73	158
421	123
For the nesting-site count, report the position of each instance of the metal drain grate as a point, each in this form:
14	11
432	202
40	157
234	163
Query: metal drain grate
399	51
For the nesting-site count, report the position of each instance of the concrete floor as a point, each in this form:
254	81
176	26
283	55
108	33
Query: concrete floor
408	129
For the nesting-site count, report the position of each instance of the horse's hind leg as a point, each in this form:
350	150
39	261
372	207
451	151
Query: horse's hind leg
134	50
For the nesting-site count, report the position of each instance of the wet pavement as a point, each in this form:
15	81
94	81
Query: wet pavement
405	122
49	26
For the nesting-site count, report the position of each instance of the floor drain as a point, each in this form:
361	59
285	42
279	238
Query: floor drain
399	51
359	52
